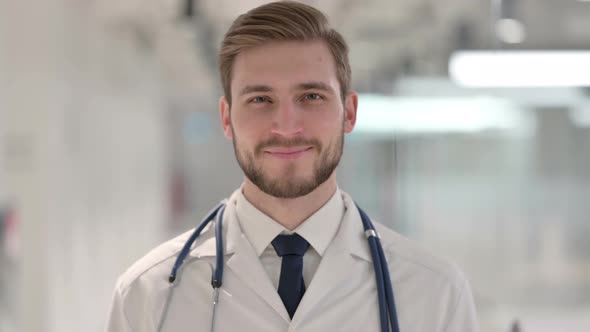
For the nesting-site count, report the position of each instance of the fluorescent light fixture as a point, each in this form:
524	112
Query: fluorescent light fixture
539	97
406	115
520	68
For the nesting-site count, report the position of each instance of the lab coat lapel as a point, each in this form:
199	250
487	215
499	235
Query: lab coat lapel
247	267
337	262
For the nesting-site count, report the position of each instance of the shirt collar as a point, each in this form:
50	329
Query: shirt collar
319	229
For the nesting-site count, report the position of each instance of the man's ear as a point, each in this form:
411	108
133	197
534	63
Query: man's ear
350	108
224	109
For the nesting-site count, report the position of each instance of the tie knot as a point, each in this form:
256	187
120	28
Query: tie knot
292	244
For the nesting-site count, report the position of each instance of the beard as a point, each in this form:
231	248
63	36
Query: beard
289	185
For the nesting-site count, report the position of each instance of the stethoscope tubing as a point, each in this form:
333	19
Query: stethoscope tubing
387	309
188	244
217	279
383	279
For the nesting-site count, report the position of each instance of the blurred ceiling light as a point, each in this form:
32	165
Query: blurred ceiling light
510	31
406	115
520	68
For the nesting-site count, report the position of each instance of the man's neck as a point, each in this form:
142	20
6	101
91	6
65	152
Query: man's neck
290	212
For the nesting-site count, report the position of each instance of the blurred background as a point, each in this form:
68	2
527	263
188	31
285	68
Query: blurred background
473	138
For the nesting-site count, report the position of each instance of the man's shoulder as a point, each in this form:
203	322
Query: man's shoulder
158	262
401	250
412	258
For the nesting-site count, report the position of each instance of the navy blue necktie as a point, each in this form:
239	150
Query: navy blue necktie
291	287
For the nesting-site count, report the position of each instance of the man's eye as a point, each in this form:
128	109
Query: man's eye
312	96
259	99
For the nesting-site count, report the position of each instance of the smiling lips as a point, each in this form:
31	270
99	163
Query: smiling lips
288	153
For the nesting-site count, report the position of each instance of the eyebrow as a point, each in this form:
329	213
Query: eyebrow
255	88
314	85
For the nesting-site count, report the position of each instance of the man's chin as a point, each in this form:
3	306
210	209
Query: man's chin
287	189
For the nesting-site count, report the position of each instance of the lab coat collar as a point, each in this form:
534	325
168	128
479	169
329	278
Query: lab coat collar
245	262
241	258
351	227
346	248
341	257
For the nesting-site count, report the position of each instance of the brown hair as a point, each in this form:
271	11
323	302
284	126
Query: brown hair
282	21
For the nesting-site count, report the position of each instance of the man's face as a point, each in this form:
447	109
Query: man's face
287	117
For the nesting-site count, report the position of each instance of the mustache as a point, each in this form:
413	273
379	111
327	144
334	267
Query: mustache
276	142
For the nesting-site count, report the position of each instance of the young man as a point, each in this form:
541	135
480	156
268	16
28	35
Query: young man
287	104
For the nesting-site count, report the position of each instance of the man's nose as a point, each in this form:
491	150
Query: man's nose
287	120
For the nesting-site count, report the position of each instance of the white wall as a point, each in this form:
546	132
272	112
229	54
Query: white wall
82	116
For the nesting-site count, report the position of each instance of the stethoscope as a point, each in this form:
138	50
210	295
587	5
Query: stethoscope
387	311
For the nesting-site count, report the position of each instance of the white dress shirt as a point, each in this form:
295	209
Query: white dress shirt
318	230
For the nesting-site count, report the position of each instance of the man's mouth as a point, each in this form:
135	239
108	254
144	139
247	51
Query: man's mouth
287	152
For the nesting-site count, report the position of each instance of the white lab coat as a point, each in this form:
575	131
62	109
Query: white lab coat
431	295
